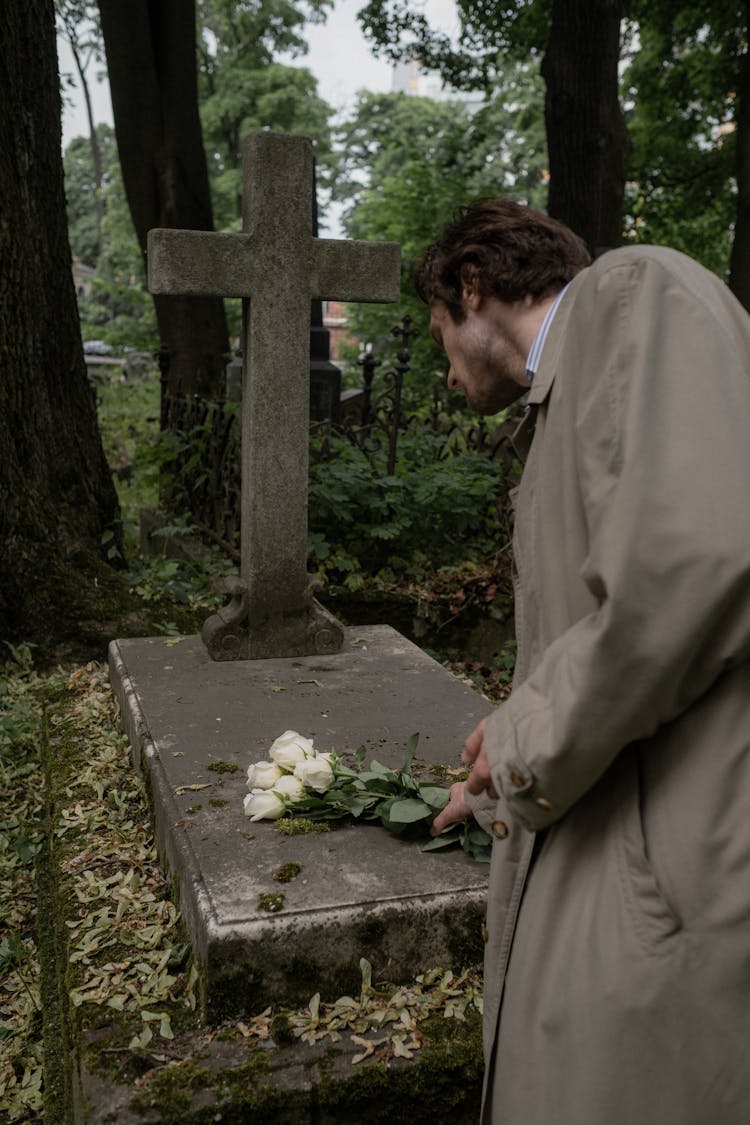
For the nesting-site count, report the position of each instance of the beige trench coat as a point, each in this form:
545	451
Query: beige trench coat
617	985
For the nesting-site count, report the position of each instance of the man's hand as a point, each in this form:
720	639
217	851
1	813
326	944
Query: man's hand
474	753
478	780
455	810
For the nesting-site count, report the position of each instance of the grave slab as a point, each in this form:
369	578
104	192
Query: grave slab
361	891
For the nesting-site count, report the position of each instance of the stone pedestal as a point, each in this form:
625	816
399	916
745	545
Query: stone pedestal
195	725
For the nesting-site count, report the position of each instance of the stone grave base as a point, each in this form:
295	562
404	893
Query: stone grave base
196	725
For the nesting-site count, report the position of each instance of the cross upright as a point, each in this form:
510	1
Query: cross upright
277	266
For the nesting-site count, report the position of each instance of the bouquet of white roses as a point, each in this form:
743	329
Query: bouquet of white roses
298	781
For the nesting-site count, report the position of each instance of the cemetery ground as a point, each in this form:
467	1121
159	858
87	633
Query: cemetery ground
95	968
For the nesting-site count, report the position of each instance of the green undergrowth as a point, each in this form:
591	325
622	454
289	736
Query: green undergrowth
95	967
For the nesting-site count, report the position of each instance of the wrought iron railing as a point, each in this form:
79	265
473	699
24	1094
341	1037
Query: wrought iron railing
201	466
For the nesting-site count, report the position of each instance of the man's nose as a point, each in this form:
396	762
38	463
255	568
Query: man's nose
452	380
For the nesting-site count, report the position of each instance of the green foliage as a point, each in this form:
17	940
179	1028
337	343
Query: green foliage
128	413
80	192
489	34
244	89
680	89
410	162
118	309
434	511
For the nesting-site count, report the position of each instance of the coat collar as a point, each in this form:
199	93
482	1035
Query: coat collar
545	375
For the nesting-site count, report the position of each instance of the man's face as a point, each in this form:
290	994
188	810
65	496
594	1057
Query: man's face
486	362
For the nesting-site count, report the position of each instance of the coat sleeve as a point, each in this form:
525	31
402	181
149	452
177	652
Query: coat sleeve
663	462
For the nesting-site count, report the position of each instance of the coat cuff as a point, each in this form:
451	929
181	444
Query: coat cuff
525	795
491	815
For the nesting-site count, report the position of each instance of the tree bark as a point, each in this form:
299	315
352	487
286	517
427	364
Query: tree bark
57	498
586	133
739	262
151	59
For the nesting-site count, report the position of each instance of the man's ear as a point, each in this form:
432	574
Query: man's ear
470	292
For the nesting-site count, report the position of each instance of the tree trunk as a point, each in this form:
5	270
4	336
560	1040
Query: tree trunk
57	498
151	59
586	133
739	263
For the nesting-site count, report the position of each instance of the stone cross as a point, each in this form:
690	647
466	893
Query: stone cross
277	266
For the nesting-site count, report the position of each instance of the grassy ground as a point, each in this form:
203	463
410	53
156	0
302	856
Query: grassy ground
89	935
93	956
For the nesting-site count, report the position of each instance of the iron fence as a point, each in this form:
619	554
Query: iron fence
201	469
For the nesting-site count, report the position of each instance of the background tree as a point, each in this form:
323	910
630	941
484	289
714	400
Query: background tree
410	161
579	39
78	23
151	60
85	191
118	307
586	133
243	87
58	500
690	83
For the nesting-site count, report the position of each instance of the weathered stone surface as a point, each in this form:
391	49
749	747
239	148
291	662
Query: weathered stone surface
361	892
277	266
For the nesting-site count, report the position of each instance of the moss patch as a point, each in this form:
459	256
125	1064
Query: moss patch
301	826
287	872
272	902
171	1091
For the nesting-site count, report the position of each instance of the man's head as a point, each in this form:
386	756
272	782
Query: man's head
489	281
514	252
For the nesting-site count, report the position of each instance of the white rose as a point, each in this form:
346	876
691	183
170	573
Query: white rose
263	804
290	748
316	773
289	786
263	775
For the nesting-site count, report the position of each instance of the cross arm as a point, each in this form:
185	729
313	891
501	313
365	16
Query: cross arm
355	271
198	263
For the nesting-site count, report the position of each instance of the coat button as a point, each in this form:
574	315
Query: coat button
499	829
543	802
517	779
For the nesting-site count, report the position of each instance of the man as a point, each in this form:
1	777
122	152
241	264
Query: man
616	778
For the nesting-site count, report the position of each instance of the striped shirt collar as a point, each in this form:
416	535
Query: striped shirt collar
535	352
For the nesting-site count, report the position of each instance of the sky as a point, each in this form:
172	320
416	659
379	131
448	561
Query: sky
339	57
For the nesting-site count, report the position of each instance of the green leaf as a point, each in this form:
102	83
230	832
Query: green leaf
377	769
409	751
408	811
440	842
477	835
436	796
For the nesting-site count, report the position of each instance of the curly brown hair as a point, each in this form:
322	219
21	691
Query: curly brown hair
516	251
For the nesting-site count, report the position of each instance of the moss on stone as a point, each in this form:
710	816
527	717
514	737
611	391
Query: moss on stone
287	872
443	1084
301	826
223	767
272	902
218	802
238	1080
170	1091
281	1030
